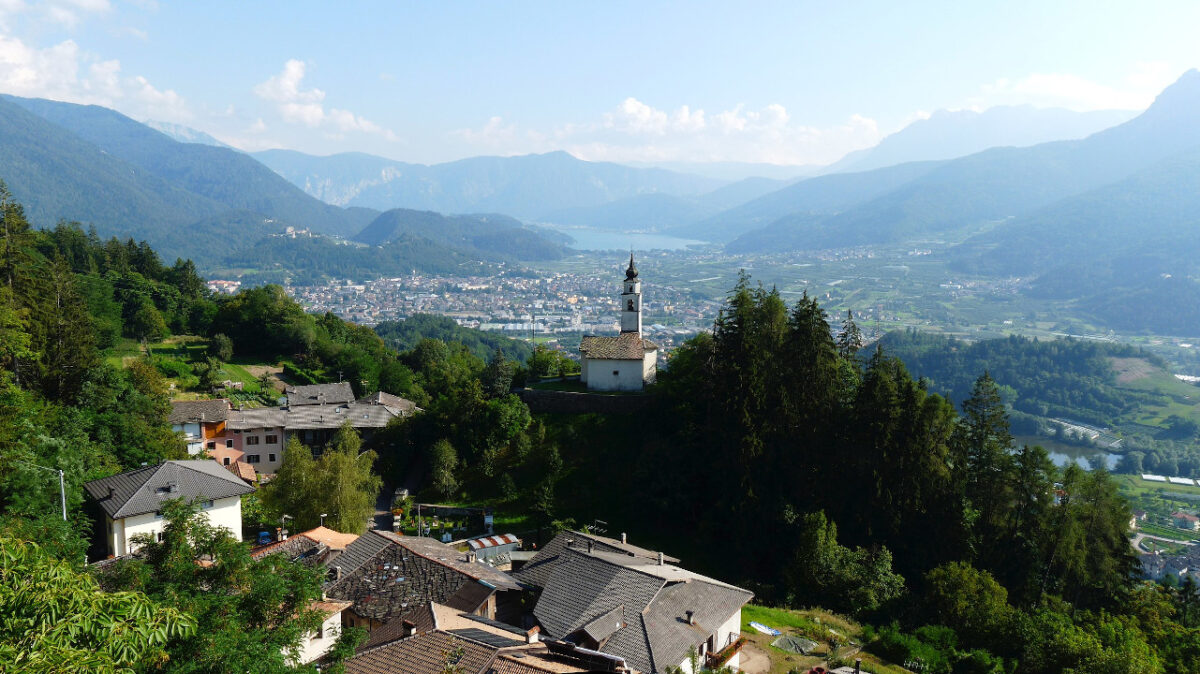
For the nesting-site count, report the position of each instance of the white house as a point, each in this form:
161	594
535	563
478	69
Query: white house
315	646
132	502
626	362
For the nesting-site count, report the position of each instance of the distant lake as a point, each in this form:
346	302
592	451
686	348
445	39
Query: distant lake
598	239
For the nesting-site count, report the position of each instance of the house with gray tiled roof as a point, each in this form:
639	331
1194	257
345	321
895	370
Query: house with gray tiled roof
645	610
386	574
200	422
338	393
440	639
536	572
131	503
257	436
628	361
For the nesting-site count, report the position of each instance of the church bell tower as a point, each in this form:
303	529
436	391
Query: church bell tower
631	300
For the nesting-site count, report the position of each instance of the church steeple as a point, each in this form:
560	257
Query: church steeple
631	300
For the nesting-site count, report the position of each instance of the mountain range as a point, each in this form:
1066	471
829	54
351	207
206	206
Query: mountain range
527	187
212	203
1058	211
937	200
948	134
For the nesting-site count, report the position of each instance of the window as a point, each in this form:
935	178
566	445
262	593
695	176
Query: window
212	445
225	461
252	439
160	537
158	514
229	442
616	372
272	440
271	458
251	458
237	431
206	505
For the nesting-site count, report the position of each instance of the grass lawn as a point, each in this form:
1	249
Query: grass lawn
1136	485
816	624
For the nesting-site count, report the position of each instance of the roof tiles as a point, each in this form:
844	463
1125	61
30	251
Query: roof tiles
625	346
144	490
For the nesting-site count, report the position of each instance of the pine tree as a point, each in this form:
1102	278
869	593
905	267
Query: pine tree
850	339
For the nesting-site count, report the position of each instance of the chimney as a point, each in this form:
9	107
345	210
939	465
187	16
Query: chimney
531	637
623	541
590	544
660	558
410	627
691	617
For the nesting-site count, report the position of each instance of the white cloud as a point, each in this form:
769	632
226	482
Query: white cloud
1135	91
297	105
285	87
64	72
637	131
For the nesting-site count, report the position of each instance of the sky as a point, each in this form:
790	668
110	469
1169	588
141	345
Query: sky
789	82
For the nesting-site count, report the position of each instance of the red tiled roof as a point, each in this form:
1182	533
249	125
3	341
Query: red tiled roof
243	470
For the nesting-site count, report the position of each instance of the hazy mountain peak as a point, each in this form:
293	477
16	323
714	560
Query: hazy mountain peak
183	134
948	134
1183	95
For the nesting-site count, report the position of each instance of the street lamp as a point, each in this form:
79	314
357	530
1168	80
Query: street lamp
323	516
62	488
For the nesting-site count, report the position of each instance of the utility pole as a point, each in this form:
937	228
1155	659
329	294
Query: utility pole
62	486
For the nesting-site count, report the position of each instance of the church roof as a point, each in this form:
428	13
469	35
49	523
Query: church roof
632	272
625	346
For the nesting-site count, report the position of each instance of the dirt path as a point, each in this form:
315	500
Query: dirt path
754	660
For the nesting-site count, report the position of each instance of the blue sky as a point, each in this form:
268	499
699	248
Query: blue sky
781	82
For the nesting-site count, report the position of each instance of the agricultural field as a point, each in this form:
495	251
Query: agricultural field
182	358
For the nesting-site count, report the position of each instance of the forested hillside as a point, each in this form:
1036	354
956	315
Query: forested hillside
406	334
491	236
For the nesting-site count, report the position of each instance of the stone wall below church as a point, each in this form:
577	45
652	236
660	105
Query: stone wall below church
570	402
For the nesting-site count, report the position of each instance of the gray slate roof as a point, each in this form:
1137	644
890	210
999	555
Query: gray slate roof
317	394
401	405
385	575
193	411
587	590
359	414
537	570
143	490
625	346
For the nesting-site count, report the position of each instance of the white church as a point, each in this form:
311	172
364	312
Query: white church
626	362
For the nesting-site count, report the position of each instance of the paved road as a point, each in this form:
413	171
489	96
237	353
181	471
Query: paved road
1138	538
